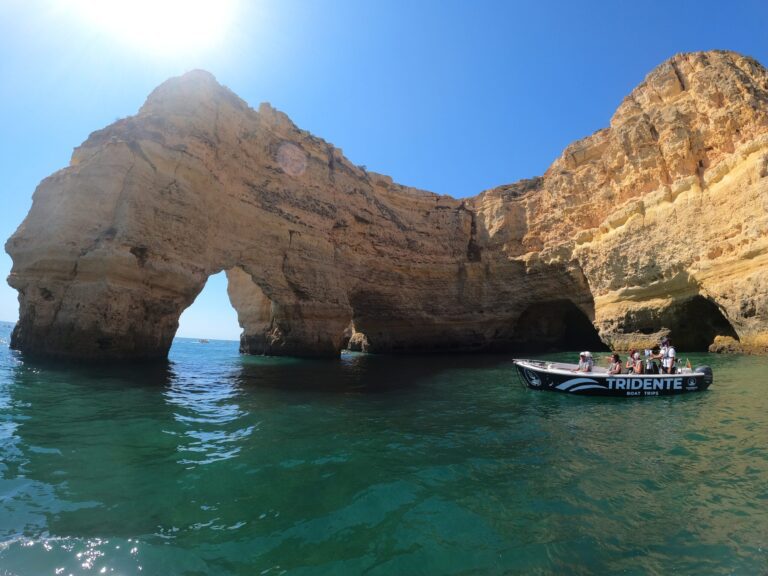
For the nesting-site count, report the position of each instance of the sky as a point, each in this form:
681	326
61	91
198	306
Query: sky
452	97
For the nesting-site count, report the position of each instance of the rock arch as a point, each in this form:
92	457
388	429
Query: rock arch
119	244
630	222
274	325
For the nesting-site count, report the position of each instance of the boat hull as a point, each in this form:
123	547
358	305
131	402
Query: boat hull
539	375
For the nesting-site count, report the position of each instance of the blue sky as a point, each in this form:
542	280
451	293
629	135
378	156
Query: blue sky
453	97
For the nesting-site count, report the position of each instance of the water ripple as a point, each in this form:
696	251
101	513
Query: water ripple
216	464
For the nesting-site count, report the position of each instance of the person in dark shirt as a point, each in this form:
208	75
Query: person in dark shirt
630	365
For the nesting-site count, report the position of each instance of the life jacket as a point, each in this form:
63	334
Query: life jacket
668	356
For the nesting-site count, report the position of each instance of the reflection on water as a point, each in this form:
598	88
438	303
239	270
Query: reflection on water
213	463
209	416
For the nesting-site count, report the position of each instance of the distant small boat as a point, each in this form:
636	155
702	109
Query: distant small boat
560	377
203	341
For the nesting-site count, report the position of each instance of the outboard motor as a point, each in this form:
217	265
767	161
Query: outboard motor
708	376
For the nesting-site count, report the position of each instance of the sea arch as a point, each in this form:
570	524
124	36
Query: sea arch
121	241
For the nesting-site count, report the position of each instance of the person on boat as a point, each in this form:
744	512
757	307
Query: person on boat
666	353
650	366
630	365
668	356
656	352
614	365
585	362
637	366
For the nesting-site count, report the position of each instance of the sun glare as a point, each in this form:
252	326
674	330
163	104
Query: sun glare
160	27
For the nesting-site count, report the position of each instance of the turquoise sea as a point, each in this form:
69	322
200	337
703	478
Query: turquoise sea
214	463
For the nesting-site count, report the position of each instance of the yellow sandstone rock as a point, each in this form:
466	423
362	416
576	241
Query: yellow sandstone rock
655	225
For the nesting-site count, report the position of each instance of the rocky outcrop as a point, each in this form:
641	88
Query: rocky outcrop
664	212
657	224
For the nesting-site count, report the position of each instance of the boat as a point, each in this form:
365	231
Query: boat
562	377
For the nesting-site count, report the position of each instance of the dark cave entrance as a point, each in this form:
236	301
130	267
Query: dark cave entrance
694	323
556	326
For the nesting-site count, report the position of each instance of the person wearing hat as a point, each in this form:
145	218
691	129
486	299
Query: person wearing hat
667	356
585	362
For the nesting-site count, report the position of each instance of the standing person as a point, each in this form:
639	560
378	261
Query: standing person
670	358
614	366
667	355
585	362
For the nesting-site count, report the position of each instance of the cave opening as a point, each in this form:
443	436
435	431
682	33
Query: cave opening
694	323
211	316
556	326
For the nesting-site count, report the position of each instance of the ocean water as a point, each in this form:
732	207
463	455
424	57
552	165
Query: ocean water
219	464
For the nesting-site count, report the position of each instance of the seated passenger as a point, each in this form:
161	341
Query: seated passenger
630	365
614	366
585	362
638	367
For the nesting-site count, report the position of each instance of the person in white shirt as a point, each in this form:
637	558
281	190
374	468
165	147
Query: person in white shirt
585	362
671	358
667	354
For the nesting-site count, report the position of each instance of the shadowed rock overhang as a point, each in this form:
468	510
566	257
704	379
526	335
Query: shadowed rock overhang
662	214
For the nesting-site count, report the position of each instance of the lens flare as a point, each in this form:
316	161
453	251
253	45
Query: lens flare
160	27
291	159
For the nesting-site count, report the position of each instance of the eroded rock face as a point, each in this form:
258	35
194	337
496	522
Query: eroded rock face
656	219
665	209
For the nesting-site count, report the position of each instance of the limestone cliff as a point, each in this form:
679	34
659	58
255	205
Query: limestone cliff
656	224
665	211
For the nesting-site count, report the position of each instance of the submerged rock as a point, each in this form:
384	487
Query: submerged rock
660	218
726	345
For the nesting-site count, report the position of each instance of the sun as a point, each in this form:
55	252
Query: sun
160	27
